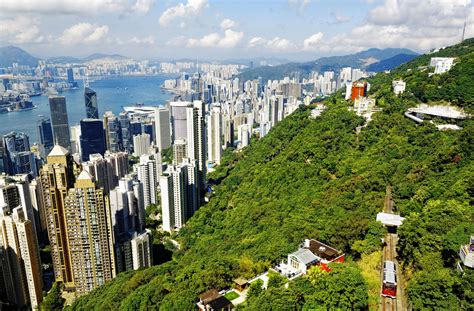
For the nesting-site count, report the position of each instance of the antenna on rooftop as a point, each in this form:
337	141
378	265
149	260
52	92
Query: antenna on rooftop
463	32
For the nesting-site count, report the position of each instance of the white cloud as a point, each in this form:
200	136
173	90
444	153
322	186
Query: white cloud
256	42
83	33
409	24
275	44
229	40
20	30
280	44
143	6
145	40
181	10
228	23
311	43
76	6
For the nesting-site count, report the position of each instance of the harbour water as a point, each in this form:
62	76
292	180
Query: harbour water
112	94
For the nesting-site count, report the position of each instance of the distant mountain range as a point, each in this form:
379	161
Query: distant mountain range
370	60
12	54
390	63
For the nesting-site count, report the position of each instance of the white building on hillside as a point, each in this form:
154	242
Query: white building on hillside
398	86
441	64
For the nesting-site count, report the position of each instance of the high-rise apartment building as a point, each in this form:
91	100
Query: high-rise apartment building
89	235
140	245
147	174
90	100
20	268
141	144
196	139
127	218
162	128
15	192
179	150
214	135
57	177
59	120
178	119
179	194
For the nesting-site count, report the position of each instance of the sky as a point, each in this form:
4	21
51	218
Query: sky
230	29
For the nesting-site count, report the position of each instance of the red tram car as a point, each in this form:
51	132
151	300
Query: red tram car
389	286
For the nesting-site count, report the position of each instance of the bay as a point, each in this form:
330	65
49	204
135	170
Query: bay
112	95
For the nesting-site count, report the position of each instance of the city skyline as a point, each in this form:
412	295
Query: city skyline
206	29
229	172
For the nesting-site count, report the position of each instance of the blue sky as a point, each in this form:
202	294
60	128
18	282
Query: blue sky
219	29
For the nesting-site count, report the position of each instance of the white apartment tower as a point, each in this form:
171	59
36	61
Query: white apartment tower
214	135
147	175
141	144
20	267
179	195
162	128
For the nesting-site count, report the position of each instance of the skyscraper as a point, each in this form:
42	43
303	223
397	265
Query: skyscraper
90	99
196	139
127	218
162	128
113	132
89	234
178	119
19	158
141	144
126	133
179	194
45	135
20	267
70	76
92	138
57	177
59	120
147	175
179	151
214	135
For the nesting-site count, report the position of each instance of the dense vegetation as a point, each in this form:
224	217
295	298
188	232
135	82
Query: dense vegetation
455	86
320	179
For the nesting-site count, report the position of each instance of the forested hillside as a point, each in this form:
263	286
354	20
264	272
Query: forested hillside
318	178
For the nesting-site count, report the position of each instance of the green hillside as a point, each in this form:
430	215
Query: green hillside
319	179
454	86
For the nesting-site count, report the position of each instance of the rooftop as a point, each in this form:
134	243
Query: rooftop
58	151
305	256
219	303
322	250
84	175
390	219
444	111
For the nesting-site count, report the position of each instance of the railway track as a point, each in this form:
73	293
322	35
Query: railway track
389	304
